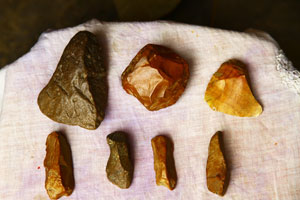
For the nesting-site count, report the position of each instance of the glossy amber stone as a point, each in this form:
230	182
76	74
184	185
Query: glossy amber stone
228	91
156	77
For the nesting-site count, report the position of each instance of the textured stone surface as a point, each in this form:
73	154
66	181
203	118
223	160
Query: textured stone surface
164	164
58	166
156	76
77	92
228	91
119	168
216	169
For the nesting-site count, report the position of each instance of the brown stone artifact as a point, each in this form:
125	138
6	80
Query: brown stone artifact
77	92
164	165
216	170
228	91
156	77
58	166
119	168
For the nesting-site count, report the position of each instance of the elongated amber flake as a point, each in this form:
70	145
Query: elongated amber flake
164	164
216	168
58	166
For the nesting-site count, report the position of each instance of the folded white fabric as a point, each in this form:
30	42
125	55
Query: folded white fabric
263	153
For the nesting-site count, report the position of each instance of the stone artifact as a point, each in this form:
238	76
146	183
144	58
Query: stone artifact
119	169
228	91
216	170
156	76
77	92
58	166
164	164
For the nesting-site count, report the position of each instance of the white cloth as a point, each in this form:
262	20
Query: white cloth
263	153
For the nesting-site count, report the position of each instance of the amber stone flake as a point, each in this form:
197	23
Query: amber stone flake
119	168
228	91
216	170
58	165
156	77
164	165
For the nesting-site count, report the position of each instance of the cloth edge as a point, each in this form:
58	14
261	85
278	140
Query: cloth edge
289	75
2	87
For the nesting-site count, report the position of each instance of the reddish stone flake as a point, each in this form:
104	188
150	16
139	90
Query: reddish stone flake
156	76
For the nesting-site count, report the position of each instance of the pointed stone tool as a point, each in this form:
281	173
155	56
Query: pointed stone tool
77	92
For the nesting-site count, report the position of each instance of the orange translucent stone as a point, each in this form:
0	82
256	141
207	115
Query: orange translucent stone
156	76
228	91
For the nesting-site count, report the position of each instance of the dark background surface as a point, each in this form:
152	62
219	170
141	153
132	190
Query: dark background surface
22	21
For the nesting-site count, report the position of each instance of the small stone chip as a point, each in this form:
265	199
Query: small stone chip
119	168
216	170
58	165
77	92
164	165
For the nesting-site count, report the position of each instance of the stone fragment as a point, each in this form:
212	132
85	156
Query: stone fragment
216	170
77	92
164	165
156	76
58	165
228	91
119	168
